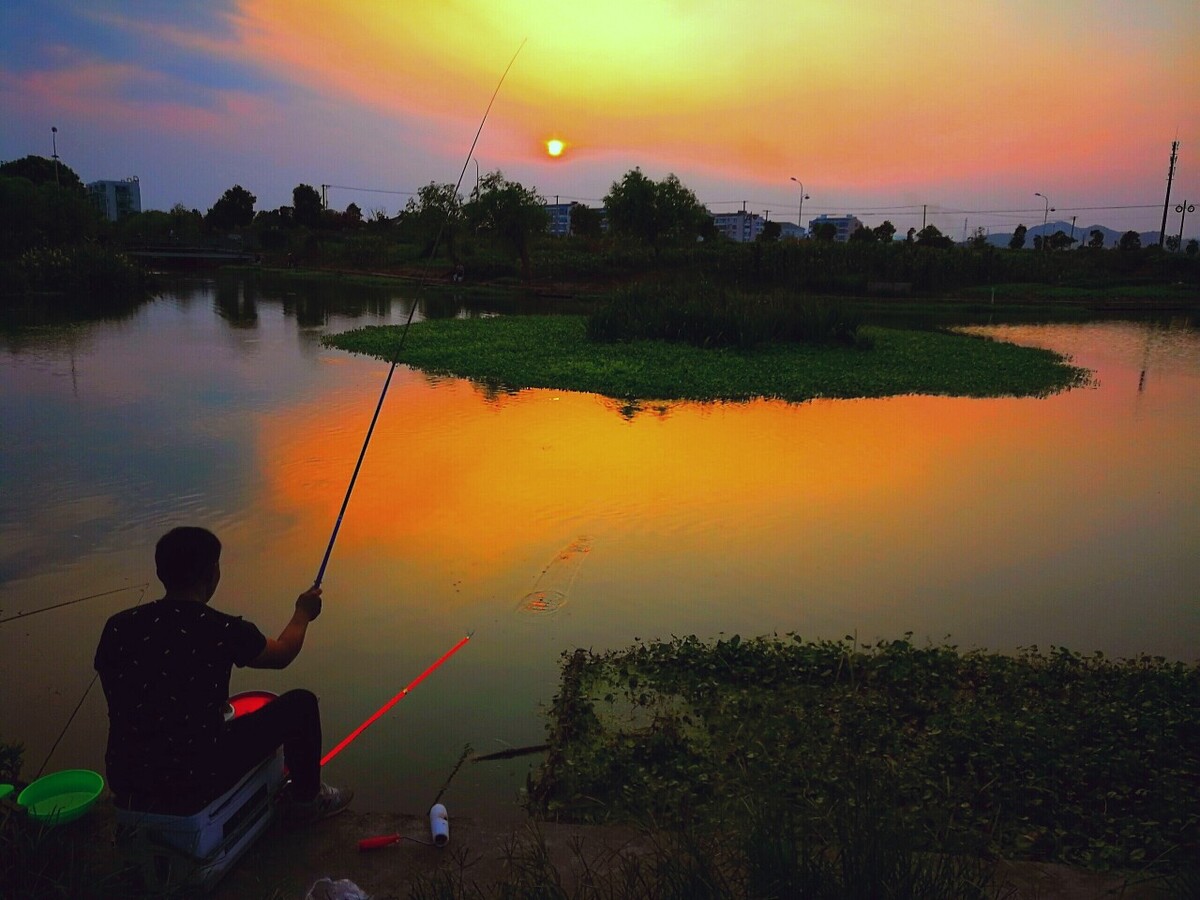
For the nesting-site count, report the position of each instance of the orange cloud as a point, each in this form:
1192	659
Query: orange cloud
867	94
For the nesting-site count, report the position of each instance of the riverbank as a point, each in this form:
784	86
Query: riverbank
484	860
777	767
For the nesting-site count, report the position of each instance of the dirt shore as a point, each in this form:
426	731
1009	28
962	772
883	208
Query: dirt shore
286	863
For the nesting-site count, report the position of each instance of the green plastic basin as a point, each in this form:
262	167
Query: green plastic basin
62	796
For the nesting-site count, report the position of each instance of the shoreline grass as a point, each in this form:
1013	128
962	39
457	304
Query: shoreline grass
553	352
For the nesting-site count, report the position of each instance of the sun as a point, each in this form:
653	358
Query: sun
555	147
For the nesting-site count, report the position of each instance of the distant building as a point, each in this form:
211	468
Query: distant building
739	226
560	218
845	225
791	231
116	199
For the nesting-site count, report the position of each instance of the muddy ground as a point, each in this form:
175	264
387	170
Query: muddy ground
286	863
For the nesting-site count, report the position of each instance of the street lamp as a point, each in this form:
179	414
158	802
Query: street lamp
1045	218
803	197
1183	209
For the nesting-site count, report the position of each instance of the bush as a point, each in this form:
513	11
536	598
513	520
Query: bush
85	269
706	316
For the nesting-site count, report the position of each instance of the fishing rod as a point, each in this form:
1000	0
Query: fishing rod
348	739
404	334
34	612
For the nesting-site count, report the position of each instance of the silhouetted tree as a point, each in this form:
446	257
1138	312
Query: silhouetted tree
1060	240
1192	248
586	222
654	211
1130	240
931	236
885	232
770	232
978	239
307	206
353	216
1173	243
1017	241
235	209
825	231
437	209
511	213
40	170
863	235
1096	239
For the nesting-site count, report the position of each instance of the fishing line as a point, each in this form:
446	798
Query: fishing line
78	705
466	752
26	615
404	334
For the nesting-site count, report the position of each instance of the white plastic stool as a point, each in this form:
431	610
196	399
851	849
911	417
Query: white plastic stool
199	849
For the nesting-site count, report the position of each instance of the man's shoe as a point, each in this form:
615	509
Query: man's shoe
329	802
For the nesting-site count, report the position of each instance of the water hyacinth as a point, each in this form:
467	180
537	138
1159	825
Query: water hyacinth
516	352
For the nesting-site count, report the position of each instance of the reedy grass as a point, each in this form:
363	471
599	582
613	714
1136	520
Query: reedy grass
515	352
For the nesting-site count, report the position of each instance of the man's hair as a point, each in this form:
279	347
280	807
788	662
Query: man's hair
185	557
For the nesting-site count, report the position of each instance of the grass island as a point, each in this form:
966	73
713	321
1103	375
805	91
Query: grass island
555	352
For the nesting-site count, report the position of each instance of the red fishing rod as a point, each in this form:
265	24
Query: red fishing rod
346	741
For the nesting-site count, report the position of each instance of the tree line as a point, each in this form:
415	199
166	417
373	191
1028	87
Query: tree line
498	228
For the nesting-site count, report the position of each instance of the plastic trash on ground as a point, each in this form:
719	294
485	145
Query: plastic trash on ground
342	889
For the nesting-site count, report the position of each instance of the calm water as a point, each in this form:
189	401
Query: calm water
1067	521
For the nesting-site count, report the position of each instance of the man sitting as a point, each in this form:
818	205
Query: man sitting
165	670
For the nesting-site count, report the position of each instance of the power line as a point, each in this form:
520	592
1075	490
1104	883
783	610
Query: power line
864	210
342	187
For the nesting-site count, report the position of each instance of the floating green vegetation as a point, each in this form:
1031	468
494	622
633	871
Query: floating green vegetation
1056	756
554	352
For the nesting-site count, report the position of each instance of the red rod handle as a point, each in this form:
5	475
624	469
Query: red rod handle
400	696
373	843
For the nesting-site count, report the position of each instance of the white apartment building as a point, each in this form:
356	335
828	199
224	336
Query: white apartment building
739	226
116	198
845	225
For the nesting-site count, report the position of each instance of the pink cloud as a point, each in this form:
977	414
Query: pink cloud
106	93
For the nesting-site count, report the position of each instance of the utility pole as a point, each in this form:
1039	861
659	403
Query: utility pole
324	196
1072	229
54	153
1183	209
1162	233
924	206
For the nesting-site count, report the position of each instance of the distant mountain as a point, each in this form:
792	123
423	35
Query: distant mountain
1082	233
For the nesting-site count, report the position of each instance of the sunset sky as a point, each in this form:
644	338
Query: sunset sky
877	107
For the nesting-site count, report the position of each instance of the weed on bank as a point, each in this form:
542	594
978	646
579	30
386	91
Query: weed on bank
1047	756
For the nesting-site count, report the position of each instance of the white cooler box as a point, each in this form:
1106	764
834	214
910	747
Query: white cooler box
199	849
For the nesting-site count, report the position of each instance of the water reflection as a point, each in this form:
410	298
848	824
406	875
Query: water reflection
1066	520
